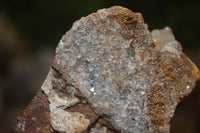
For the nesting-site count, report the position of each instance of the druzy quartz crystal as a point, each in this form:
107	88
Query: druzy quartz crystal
111	74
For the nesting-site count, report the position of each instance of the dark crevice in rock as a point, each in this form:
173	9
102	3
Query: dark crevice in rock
93	124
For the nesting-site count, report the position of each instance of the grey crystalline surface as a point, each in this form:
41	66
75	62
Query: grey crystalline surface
130	76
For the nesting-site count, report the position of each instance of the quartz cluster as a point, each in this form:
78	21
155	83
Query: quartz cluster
110	74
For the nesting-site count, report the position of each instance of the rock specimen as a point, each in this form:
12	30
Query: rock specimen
111	75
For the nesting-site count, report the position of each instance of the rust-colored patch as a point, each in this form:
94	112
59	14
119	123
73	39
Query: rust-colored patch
191	66
36	117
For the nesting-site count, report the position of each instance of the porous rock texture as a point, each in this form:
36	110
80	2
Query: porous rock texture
111	75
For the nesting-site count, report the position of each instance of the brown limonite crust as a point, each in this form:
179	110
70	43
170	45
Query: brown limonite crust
36	116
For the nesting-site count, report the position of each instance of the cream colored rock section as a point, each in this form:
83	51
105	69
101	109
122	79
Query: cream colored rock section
61	120
68	122
53	97
166	42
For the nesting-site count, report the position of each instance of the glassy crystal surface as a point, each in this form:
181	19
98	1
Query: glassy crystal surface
130	76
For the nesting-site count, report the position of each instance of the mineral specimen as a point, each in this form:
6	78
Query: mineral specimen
110	74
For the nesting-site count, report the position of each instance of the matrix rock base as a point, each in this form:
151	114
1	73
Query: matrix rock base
111	75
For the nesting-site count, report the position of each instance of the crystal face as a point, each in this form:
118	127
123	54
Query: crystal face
129	76
102	64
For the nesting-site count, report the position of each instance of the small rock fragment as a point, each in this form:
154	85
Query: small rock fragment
109	66
36	117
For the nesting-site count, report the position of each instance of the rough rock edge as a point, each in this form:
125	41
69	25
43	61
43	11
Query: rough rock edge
36	116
